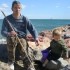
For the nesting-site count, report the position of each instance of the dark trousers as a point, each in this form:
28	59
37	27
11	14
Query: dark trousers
53	56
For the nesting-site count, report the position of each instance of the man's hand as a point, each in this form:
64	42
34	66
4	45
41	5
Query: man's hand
36	42
12	33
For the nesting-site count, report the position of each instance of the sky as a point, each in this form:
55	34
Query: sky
39	9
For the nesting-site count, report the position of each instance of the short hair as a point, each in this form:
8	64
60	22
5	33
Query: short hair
15	2
56	32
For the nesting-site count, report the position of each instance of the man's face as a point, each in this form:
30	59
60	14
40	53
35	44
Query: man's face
16	9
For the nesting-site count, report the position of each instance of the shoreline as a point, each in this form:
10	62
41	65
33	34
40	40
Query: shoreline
46	35
44	42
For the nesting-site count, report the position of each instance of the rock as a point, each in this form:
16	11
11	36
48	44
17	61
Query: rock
46	33
67	67
42	33
57	65
3	52
53	65
67	41
44	42
63	62
4	66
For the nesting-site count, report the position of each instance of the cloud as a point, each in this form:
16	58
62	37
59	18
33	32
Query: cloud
57	6
3	6
68	7
23	6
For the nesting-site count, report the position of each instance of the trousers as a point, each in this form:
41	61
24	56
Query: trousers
12	44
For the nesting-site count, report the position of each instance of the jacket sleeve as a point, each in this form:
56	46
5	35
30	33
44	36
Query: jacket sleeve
31	29
64	46
4	30
65	52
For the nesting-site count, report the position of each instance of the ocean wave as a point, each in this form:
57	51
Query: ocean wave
3	41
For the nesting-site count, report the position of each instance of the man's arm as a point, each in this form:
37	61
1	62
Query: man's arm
32	31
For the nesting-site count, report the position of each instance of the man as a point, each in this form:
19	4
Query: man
20	24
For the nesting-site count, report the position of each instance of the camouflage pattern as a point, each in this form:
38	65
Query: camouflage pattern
12	44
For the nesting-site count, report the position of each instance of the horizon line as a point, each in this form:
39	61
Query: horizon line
47	18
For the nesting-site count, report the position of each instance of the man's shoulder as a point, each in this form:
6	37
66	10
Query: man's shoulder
22	16
8	17
25	17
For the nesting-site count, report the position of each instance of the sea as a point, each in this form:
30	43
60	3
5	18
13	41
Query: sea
44	24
